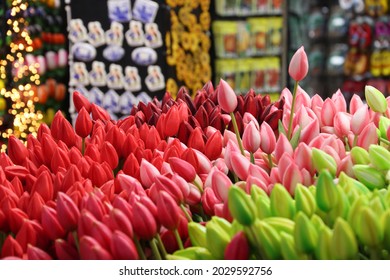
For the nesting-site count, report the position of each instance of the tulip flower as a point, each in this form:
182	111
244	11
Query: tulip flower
251	138
217	238
17	151
65	251
119	221
268	140
67	212
27	234
147	173
197	234
90	249
323	161
238	248
213	147
144	224
209	199
11	247
80	102
368	136
51	224
220	183
241	206
375	99
183	168
83	125
169	211
305	235
227	98
372	178
122	247
34	253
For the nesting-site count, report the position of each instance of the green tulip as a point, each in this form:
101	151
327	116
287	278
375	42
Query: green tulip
289	251
257	192
217	239
326	195
369	176
281	224
176	258
223	224
241	206
380	157
377	205
305	235
354	212
304	200
194	253
282	204
384	124
322	161
317	222
197	234
348	183
268	240
369	231
385	224
341	209
359	155
263	207
375	99
344	244
323	249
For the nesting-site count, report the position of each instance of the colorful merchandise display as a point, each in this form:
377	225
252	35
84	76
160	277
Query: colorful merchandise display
216	176
248	44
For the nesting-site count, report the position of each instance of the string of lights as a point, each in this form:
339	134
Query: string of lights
26	119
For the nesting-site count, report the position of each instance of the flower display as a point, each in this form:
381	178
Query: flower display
204	178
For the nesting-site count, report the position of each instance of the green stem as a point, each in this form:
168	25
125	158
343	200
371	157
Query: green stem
185	212
155	250
256	243
252	158
348	148
141	253
83	146
76	240
289	131
270	162
355	141
235	177
178	239
160	244
384	140
235	126
198	186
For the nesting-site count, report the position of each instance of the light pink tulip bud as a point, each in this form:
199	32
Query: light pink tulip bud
148	173
311	131
255	182
283	146
368	136
328	112
339	101
267	138
205	165
251	138
62	58
360	120
302	157
240	165
342	124
355	104
227	98
299	65
291	177
221	184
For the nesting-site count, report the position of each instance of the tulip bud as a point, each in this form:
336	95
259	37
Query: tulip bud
34	253
305	235
379	157
288	248
217	238
326	194
251	138
304	200
281	224
144	223
344	245
368	136
268	239
213	148
268	140
323	161
241	206
227	98
197	234
67	212
122	247
109	155
282	204
238	248
375	99
192	253
17	151
183	168
385	225
324	245
51	224
369	176
90	249
83	125
168	211
148	173
359	155
220	183
172	121
369	230
11	247
299	65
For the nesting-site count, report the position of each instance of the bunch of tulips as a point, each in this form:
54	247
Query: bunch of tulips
217	176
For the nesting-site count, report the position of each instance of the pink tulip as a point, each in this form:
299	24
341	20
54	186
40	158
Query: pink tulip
227	98
220	184
209	199
346	166
342	124
299	65
101	233
355	104
291	177
368	136
328	112
238	248
282	147
148	173
251	138
268	140
311	131
123	247
51	224
163	183
240	165
339	101
360	119
90	249
204	165
17	151
302	157
183	168
252	181
168	211
67	211
119	221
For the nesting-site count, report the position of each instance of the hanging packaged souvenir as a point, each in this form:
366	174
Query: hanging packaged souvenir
152	35
135	35
98	75
127	101
79	74
111	101
83	51
155	80
77	31
132	80
113	53
96	35
95	95
144	56
115	77
144	97
114	36
145	10
119	10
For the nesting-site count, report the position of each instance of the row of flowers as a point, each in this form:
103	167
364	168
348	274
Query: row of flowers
217	176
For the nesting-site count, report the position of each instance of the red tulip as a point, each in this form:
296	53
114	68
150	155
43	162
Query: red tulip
34	253
65	251
238	248
213	148
97	174
163	183
168	211
34	208
209	199
183	168
144	224
119	221
43	128
227	98
67	212
60	160
83	125
49	146
80	101
196	140
101	233
17	151
44	186
99	113
51	224
27	234
71	176
15	217
90	249
172	121
109	155
299	65
11	247
123	247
